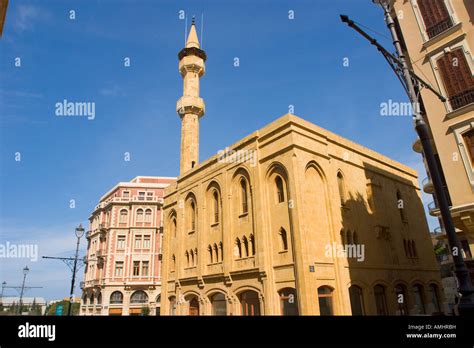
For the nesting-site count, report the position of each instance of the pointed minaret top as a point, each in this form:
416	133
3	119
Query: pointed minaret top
192	37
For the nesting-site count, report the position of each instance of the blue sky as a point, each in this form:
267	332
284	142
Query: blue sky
282	62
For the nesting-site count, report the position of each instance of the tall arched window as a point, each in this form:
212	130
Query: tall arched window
343	237
221	251
191	255
219	304
215	197
216	252
342	188
116	297
123	216
357	300
325	300
245	242
209	249
187	258
252	245
173	263
283	240
279	189
288	301
140	215
435	297
192	216
419	298
413	248
405	246
92	299
148	215
99	298
355	238
380	300
238	248
401	206
173	227
402	299
250	303
243	195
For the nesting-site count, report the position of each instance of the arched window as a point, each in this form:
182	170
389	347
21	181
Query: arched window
419	298
380	300
279	189
84	299
99	298
192	216
193	306
172	301
288	301
173	263
401	206
191	254
325	300
209	249
245	242
221	251
148	215
349	238
215	197
219	304
238	248
250	303
139	296
283	240
402	299
123	216
342	188
173	227
116	297
343	237
216	252
252	245
405	246
140	215
243	195
413	248
435	297
91	300
357	300
158	304
187	258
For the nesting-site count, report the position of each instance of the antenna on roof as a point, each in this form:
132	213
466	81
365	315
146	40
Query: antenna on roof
202	27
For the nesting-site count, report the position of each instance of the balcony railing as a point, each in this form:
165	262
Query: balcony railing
427	185
463	99
439	27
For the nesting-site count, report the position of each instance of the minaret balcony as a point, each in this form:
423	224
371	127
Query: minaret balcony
190	105
192	64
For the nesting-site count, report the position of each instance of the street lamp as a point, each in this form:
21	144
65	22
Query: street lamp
466	304
79	233
25	272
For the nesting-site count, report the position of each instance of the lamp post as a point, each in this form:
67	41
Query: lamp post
25	272
79	234
466	304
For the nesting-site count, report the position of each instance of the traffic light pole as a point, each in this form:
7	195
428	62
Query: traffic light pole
408	78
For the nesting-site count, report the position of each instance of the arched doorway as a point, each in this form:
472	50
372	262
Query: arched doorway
219	304
250	303
288	301
193	306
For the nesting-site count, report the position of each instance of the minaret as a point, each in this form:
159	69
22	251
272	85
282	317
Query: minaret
190	106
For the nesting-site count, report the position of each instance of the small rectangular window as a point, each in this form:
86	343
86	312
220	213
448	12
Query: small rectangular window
138	242
121	242
119	268
136	268
146	242
145	267
126	194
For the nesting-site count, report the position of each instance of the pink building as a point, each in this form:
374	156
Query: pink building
123	269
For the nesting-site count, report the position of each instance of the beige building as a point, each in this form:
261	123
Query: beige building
123	269
439	42
292	219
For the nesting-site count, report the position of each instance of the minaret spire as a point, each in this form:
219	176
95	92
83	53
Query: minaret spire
190	106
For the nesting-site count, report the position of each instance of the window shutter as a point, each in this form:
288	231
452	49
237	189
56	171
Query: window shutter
435	15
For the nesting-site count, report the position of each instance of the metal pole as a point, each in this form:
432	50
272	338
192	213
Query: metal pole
21	294
71	293
466	305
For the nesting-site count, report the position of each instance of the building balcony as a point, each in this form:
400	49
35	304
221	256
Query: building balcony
433	209
439	27
427	185
463	99
417	146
